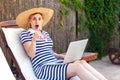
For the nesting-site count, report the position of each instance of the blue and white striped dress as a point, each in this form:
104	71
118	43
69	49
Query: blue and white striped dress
44	56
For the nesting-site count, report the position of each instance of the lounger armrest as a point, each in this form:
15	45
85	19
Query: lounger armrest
8	23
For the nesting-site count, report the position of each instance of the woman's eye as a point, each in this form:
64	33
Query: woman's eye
34	18
39	18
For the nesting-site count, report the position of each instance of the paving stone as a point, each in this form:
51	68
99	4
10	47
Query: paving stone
105	67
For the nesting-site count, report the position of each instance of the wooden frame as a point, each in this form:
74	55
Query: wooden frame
9	23
88	56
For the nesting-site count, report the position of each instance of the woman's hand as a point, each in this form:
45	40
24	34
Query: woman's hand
37	36
59	56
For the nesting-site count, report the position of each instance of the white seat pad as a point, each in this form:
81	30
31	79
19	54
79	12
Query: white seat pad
5	71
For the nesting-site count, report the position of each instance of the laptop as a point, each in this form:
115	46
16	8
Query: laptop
74	52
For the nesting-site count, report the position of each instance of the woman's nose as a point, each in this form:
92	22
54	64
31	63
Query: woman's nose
37	21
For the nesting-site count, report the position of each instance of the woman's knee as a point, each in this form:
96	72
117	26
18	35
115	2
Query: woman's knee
73	69
76	65
83	62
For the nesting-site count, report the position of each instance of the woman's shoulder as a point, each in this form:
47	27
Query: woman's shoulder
25	31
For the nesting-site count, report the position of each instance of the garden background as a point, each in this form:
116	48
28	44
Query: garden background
97	20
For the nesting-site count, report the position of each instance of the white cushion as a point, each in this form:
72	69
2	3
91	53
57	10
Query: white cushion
12	37
5	71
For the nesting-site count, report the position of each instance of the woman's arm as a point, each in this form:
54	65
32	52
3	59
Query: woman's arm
59	56
30	46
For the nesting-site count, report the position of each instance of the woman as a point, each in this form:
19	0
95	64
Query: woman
38	46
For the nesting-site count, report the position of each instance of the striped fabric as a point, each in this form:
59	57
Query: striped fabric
43	56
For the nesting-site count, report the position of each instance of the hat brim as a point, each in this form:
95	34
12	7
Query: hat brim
22	18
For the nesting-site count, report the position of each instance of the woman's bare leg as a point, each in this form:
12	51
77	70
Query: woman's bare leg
76	69
92	70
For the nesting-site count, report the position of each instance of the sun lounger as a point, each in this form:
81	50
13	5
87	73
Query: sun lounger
14	48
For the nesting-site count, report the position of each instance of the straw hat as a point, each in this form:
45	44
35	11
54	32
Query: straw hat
22	18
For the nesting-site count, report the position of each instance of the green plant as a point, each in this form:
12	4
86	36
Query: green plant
78	7
62	13
100	18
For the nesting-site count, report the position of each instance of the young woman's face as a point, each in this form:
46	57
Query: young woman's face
36	21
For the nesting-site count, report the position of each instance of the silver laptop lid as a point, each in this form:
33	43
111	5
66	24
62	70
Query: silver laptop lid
75	50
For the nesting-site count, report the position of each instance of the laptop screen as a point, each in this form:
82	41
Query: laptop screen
75	50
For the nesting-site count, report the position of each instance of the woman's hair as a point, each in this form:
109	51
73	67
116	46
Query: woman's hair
34	14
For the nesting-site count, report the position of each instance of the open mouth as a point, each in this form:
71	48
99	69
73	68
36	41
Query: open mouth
36	26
